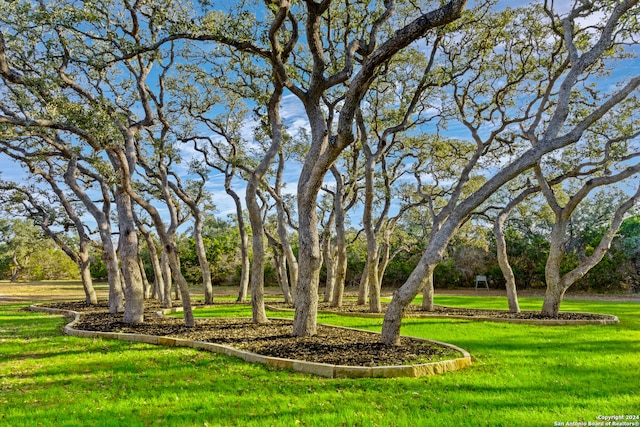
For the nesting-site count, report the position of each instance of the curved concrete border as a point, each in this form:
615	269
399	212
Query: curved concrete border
609	319
321	369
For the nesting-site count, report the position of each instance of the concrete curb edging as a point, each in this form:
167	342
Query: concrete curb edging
320	369
609	319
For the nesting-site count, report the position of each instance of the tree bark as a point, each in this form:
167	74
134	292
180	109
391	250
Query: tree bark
259	313
85	274
330	267
428	291
128	249
244	244
282	228
503	259
552	299
181	282
116	296
202	258
145	281
340	243
155	263
281	270
373	249
167	280
363	286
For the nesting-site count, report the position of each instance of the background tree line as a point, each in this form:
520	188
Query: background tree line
27	255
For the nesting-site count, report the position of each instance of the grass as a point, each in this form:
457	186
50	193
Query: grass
523	375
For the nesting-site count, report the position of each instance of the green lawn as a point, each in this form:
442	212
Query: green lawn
523	375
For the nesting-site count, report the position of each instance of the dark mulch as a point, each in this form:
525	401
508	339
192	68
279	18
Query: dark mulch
330	345
352	307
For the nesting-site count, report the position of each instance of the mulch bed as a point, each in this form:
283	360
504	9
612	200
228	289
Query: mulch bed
330	345
350	307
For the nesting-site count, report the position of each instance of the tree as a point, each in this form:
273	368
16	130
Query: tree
558	281
200	95
159	173
39	208
95	98
159	287
20	241
342	69
545	115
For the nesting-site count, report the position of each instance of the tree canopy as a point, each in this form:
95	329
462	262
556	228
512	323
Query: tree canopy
446	115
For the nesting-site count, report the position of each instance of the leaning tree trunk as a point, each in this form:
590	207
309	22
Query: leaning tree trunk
244	244
505	267
181	282
116	296
402	297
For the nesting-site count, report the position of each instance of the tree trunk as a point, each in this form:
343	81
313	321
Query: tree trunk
363	286
17	268
402	297
282	228
428	291
501	249
181	283
128	250
166	278
505	267
202	259
375	305
109	257
281	270
255	216
340	244
116	296
259	314
385	252
552	299
330	267
306	303
87	281
244	244
157	268
145	281
509	277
